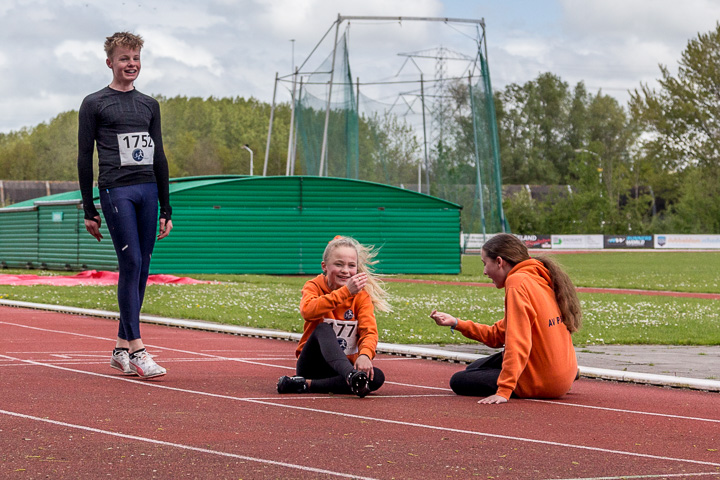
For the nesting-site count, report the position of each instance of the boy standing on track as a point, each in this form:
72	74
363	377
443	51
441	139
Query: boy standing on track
124	124
340	333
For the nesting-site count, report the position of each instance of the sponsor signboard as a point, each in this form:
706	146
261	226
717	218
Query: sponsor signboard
473	242
629	241
577	242
666	241
536	241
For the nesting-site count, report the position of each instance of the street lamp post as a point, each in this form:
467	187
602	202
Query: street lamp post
247	147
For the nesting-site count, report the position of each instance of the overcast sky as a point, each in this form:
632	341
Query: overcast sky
51	53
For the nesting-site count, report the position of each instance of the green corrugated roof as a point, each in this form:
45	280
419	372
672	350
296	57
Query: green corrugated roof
57	197
189	183
242	224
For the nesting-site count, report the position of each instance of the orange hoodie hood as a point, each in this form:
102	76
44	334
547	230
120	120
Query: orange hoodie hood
533	268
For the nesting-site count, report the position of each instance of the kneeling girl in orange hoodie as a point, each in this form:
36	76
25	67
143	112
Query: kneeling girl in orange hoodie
541	312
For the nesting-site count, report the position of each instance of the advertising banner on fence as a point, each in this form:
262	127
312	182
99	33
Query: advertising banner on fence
629	241
709	242
577	242
536	241
473	242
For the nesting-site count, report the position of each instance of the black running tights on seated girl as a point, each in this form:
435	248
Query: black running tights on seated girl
324	363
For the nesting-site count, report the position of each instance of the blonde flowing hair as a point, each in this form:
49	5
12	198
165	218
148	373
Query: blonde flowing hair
366	255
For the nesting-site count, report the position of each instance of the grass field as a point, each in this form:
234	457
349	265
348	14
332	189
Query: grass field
271	301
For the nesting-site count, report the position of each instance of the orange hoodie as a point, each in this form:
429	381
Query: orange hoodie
320	304
539	359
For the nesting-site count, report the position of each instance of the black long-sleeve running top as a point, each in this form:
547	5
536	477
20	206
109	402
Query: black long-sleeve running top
126	128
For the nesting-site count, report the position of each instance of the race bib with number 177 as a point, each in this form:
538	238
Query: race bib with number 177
136	148
346	333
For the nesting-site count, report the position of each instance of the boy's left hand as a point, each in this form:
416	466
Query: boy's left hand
364	364
165	227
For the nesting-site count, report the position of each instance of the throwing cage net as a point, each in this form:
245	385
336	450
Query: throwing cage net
433	133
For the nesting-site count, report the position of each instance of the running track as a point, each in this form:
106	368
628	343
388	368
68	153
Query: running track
64	413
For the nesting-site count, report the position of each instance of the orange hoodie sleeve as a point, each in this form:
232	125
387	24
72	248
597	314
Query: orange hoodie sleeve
491	335
315	304
518	338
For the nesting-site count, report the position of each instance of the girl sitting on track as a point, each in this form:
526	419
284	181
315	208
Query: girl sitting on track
541	312
340	333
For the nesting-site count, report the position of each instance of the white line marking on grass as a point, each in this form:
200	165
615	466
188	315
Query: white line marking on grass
381	420
183	446
620	410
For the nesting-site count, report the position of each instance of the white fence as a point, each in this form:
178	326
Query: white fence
473	242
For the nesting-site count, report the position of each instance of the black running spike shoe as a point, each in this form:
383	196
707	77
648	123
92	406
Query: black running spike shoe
294	384
358	382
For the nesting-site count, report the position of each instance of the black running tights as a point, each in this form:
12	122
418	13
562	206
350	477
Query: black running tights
324	363
480	378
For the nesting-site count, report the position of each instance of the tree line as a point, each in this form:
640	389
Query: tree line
650	166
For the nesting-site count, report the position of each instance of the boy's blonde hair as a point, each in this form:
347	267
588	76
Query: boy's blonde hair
122	39
366	255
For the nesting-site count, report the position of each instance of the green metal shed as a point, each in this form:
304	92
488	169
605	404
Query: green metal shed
240	224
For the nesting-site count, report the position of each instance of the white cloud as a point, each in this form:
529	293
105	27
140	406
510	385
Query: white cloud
168	46
528	47
29	111
657	20
51	52
79	57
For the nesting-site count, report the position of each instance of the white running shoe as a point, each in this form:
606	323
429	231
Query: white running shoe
142	363
120	360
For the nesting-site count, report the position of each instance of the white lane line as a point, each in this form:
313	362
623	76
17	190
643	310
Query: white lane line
444	389
670	475
620	410
182	446
404	350
305	396
217	357
381	420
95	337
99	359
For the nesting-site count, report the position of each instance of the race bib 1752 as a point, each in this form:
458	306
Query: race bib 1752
136	148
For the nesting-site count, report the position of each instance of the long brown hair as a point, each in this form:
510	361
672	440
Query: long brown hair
513	251
366	260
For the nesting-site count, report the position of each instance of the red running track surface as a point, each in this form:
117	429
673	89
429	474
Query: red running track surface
64	413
